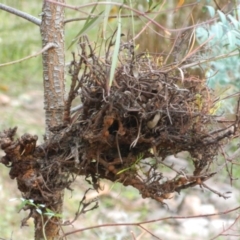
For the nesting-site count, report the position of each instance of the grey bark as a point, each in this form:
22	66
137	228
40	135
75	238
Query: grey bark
52	31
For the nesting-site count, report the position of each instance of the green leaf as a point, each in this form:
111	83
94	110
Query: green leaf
49	210
133	166
105	20
87	26
39	211
150	2
22	205
116	51
201	34
211	10
124	170
217	30
234	21
49	214
231	39
52	214
222	17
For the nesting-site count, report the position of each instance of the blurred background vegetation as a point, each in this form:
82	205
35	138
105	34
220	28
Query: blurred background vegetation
21	94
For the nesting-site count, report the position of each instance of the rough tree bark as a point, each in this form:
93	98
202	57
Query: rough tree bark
52	31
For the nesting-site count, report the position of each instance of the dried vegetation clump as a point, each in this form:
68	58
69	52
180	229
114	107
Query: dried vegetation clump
124	132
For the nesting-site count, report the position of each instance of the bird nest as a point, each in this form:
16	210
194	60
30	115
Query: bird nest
126	130
123	131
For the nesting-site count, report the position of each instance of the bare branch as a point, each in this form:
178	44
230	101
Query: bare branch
227	229
139	224
48	46
137	12
21	14
232	54
109	17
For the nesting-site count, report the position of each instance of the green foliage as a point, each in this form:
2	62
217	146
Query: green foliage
40	208
225	39
89	24
116	50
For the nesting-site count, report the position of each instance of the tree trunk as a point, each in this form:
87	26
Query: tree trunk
52	31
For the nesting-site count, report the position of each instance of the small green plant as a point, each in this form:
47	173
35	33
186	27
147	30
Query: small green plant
40	209
134	166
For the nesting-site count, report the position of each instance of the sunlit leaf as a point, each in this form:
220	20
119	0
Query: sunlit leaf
116	51
234	21
217	30
49	214
39	211
222	17
231	39
211	10
106	19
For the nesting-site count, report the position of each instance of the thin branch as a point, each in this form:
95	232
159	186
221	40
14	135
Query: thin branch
48	46
228	228
21	14
218	7
232	54
152	221
148	23
109	17
216	192
139	13
146	230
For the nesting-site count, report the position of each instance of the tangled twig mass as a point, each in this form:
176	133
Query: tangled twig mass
122	132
